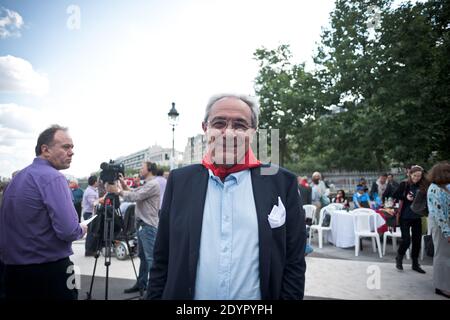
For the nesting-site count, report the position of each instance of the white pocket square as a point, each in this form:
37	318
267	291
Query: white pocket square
277	216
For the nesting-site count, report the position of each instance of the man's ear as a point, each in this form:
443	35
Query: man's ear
44	148
204	127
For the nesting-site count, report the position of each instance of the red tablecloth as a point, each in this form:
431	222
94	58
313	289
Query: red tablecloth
384	227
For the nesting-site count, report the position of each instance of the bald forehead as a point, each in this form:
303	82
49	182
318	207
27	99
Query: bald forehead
230	106
61	135
63	138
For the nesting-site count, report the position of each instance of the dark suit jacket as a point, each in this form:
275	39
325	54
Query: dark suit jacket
176	252
390	190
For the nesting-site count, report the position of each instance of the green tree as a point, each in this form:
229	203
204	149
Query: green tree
414	80
346	67
379	94
394	83
288	97
131	172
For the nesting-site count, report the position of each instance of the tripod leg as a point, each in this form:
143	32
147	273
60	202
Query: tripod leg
108	255
106	282
89	294
109	236
130	255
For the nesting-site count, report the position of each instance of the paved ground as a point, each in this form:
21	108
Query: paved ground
332	273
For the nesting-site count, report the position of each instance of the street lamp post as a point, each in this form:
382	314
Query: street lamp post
173	120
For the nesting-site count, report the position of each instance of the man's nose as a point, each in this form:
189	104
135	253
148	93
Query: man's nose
228	130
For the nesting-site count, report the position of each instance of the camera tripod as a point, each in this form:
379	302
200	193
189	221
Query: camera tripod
110	211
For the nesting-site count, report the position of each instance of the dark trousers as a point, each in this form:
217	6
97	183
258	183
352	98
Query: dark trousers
91	244
416	234
46	281
2	282
78	209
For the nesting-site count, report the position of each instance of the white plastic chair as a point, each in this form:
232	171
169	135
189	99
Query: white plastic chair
422	245
408	251
319	228
394	243
408	255
310	212
362	223
363	211
335	206
394	235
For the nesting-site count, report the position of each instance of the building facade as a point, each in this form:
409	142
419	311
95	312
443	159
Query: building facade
194	150
157	154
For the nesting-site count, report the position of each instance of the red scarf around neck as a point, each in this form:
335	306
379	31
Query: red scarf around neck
222	171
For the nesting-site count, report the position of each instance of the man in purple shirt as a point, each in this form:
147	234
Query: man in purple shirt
38	223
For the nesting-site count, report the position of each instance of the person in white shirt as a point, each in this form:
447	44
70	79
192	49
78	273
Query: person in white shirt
162	184
319	195
90	197
147	219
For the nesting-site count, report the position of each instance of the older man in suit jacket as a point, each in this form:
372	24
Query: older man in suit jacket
230	228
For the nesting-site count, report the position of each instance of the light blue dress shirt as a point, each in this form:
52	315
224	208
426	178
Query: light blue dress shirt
228	265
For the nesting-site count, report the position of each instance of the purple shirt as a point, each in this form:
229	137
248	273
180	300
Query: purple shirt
38	221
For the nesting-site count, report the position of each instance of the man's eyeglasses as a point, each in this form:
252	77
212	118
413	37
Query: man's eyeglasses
236	124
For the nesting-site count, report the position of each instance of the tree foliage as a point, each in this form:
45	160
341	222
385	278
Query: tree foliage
377	97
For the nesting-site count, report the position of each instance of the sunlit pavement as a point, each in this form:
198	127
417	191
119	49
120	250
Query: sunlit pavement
332	273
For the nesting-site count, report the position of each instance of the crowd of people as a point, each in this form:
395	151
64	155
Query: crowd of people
146	191
420	199
228	228
225	229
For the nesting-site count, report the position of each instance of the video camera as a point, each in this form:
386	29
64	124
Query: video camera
110	171
108	211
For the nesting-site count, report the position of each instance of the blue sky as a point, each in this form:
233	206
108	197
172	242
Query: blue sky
112	80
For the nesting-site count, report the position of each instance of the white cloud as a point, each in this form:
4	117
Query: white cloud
19	127
17	75
10	23
9	138
17	156
114	97
19	159
15	117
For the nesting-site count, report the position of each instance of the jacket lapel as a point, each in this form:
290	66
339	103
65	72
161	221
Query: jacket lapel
199	185
263	195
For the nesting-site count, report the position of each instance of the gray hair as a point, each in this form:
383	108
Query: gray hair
317	173
251	102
